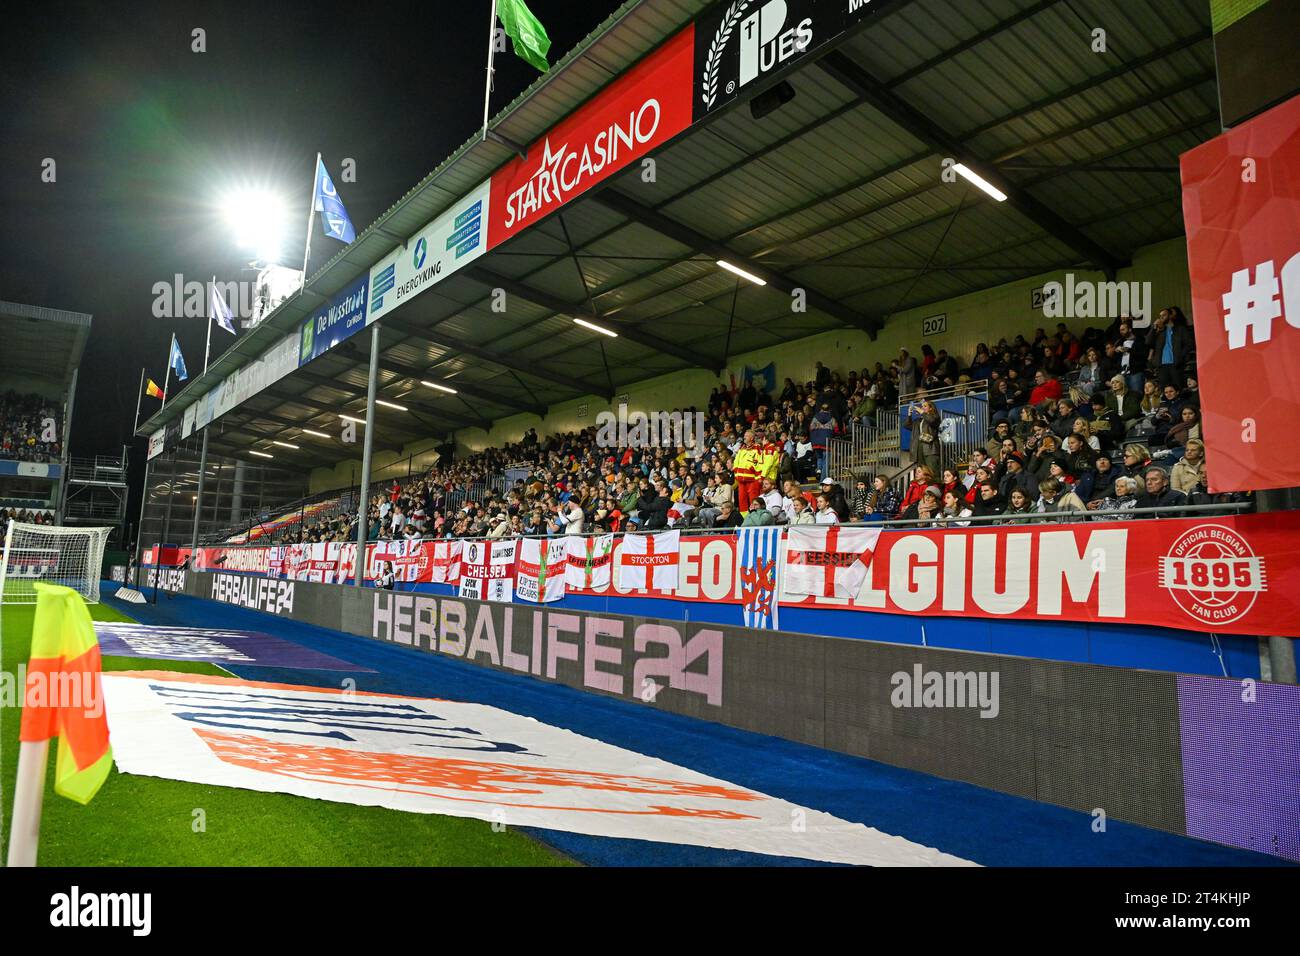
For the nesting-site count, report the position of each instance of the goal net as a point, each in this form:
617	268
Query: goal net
37	552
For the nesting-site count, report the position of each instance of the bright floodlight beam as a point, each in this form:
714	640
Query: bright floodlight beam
349	418
441	388
258	219
735	269
979	181
284	444
261	454
400	408
595	328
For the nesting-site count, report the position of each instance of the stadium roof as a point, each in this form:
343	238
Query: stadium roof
42	343
837	192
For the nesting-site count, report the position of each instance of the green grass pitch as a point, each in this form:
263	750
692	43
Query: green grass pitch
144	821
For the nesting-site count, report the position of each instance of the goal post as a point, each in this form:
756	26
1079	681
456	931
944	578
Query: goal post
72	557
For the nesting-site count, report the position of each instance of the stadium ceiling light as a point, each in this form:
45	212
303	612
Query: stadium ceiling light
400	408
967	173
349	418
723	263
308	431
595	328
284	444
441	388
261	454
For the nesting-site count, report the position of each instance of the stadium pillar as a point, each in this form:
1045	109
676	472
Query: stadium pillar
62	492
237	496
367	443
198	496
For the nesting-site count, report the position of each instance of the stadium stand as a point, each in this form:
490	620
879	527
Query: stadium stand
22	432
1066	432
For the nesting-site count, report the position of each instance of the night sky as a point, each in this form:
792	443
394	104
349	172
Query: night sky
147	135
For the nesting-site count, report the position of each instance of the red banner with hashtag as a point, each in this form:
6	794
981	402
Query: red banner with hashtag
1241	207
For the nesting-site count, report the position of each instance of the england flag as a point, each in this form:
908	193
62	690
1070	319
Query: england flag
650	560
590	560
828	561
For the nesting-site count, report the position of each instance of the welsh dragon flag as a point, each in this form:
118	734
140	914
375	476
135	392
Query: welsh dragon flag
590	561
540	569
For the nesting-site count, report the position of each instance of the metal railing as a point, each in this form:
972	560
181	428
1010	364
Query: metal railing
867	447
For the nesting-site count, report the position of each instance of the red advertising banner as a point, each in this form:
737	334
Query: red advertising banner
1241	207
1233	575
639	111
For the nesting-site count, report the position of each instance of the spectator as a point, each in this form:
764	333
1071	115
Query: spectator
923	422
1159	494
1055	498
1188	474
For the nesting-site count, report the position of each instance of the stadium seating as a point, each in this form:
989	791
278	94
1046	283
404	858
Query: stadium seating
1053	411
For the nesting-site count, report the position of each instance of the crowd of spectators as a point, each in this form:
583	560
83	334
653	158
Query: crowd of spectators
23	428
1110	420
25	516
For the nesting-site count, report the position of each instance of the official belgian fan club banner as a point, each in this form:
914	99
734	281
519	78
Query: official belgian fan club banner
488	570
1235	575
459	759
1241	207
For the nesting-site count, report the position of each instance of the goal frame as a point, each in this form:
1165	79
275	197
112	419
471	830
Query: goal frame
85	581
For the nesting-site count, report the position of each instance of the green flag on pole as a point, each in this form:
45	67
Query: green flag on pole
525	31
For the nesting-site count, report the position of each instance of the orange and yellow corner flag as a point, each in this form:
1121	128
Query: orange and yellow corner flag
152	389
64	696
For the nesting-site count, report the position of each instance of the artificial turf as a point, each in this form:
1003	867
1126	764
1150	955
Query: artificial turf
146	821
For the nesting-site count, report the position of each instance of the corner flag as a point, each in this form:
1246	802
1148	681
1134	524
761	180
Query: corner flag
325	200
64	695
526	33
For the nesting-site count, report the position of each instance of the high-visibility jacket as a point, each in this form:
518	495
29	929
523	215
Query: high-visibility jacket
745	466
769	460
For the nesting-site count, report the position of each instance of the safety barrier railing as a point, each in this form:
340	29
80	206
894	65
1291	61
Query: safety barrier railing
969	521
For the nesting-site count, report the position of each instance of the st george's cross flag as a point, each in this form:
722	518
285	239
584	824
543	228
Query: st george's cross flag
650	560
759	551
829	561
590	561
539	573
446	562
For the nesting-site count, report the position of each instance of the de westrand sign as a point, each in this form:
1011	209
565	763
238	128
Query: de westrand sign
741	43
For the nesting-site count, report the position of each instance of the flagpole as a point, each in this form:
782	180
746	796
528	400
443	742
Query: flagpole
167	381
138	396
29	794
492	46
311	208
207	349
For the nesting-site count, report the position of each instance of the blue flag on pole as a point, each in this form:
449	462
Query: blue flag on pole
177	361
221	312
325	200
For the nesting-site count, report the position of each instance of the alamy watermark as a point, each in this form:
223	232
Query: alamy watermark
922	688
653	430
1085	299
